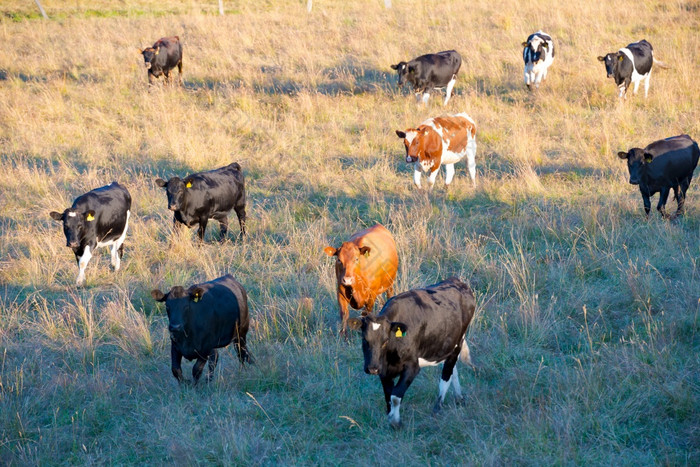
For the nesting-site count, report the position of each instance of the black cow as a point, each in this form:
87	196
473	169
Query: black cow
431	71
203	318
165	55
98	218
665	164
421	327
630	64
207	195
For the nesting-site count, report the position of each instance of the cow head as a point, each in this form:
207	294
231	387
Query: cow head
378	333
538	46
423	145
75	224
149	55
405	71
611	62
347	264
176	189
637	159
180	305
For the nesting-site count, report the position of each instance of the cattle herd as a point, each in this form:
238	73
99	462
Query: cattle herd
417	328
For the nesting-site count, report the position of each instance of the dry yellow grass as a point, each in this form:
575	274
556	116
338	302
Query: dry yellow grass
586	334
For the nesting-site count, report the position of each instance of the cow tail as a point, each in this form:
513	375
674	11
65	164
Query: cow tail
464	353
661	64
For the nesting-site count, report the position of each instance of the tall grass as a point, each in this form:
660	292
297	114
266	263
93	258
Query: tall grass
586	333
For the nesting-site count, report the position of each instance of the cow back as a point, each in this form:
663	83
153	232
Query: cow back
219	190
378	270
170	52
110	204
643	56
674	159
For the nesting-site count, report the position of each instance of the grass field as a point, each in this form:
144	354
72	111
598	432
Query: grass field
586	337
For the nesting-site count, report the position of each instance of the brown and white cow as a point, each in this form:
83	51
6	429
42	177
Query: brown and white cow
440	141
365	268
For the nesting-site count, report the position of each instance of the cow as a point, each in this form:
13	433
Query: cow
207	195
662	165
631	64
418	328
538	55
160	59
430	71
97	218
440	141
203	318
365	268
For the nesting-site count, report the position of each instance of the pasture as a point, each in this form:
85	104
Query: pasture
586	336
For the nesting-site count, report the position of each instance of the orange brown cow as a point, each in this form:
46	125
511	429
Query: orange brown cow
440	141
365	268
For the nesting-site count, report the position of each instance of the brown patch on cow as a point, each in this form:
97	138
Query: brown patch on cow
456	130
426	146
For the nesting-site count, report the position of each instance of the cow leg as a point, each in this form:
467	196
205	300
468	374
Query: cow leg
344	313
407	376
663	197
680	195
646	84
471	160
459	398
202	227
647	203
432	177
450	85
242	351
179	69
446	379
388	386
223	226
636	86
198	368
176	362
417	174
449	173
526	73
212	359
240	213
426	97
82	264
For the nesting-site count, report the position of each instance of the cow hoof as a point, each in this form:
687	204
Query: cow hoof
460	401
395	425
437	407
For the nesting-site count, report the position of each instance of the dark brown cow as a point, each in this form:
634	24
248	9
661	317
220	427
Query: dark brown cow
165	55
365	268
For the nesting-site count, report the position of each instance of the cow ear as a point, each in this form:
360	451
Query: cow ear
196	294
157	295
622	155
57	216
330	251
648	157
161	183
524	44
397	329
90	215
157	50
364	250
400	134
355	324
620	57
601	59
395	67
188	182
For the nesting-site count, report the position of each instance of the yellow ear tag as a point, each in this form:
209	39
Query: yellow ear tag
620	58
90	218
399	333
189	185
196	298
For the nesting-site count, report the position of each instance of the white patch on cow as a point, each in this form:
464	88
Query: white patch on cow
426	97
534	73
82	264
376	326
394	415
426	165
410	136
450	85
416	174
636	78
455	383
432	177
117	243
449	173
443	386
423	362
71	214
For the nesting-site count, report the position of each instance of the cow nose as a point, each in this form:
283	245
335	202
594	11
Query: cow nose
373	371
348	280
148	65
73	244
172	208
175	328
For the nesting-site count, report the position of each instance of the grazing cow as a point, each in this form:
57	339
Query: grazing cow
664	164
441	141
98	218
421	327
538	55
365	268
160	59
203	318
431	71
207	195
630	64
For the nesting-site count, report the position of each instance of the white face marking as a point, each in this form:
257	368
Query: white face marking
375	326
71	214
394	415
82	264
410	135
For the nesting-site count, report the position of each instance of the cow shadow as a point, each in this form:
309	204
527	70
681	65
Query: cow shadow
194	84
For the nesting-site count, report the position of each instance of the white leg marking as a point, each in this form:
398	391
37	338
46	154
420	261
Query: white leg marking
426	96
646	84
82	264
416	174
449	173
432	177
417	97
394	416
455	383
636	86
443	386
116	262
450	85
471	160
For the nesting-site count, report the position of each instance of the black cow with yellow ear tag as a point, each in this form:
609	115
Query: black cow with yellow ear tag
160	59
203	318
421	327
97	218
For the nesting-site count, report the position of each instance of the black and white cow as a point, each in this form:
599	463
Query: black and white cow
431	71
203	318
664	164
538	55
98	218
421	327
630	64
207	195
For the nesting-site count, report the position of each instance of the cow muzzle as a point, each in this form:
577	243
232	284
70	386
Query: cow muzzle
634	181
411	160
148	65
73	244
372	370
348	280
173	207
